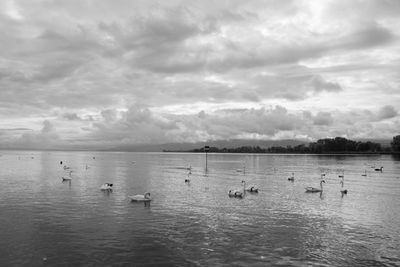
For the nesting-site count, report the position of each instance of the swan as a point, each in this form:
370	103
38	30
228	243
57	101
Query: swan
365	173
343	191
141	198
67	178
291	178
187	180
237	192
251	188
379	169
313	189
106	186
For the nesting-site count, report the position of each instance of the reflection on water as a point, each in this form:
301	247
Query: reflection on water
72	223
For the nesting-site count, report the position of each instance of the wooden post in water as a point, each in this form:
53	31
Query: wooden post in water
206	149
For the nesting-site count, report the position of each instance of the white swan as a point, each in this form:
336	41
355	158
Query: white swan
237	192
343	191
187	180
106	186
291	178
379	169
365	173
69	178
313	189
250	188
141	198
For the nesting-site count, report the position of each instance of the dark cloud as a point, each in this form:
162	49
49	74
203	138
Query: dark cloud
323	119
387	112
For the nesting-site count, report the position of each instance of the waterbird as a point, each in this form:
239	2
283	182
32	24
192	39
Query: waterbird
141	198
365	173
237	192
313	189
250	188
291	178
343	191
379	169
67	178
187	180
106	186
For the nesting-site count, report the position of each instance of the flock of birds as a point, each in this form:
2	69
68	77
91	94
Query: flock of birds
240	193
236	193
108	187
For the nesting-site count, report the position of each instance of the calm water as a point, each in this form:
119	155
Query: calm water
197	224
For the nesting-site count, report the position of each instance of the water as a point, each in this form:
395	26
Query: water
45	221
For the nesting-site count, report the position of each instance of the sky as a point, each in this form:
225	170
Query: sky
97	73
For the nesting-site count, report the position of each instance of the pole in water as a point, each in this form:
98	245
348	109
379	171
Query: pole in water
206	149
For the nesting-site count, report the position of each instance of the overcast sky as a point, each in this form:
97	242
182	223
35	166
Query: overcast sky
108	73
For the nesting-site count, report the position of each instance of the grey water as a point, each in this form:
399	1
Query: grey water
47	222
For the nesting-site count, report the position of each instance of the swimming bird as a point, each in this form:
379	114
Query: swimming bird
237	192
187	180
66	179
250	188
141	198
69	178
106	186
365	173
343	191
379	169
291	178
313	189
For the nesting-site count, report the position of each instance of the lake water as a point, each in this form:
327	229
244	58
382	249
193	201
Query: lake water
47	222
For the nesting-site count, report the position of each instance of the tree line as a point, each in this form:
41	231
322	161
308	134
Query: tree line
326	145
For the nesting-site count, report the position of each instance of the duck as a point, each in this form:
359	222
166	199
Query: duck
106	186
313	189
250	188
379	169
141	198
291	178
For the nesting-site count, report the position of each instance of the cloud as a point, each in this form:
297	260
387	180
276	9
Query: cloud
323	119
386	112
284	67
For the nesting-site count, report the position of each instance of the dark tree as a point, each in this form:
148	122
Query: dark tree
396	143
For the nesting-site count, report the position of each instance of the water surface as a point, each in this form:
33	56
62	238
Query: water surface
197	224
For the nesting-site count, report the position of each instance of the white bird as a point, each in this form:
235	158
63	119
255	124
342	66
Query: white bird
67	178
313	189
250	188
343	191
237	192
291	178
365	173
141	198
379	169
187	180
106	186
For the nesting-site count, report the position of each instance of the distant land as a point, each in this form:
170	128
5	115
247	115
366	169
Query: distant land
182	147
226	144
